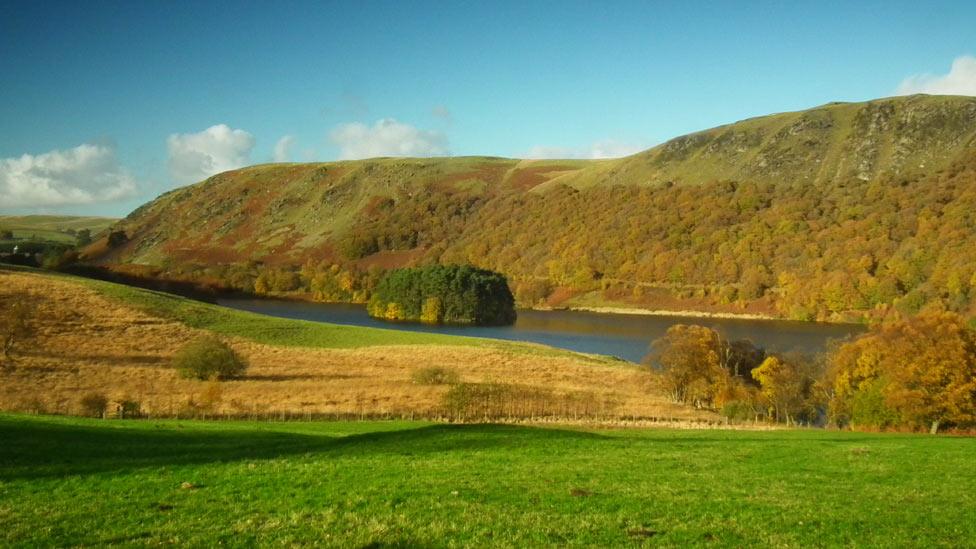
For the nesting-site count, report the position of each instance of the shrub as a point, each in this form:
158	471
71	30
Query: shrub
129	409
208	358
436	375
739	410
83	238
493	401
55	258
94	405
117	238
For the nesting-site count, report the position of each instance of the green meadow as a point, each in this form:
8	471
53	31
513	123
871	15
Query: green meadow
80	482
52	228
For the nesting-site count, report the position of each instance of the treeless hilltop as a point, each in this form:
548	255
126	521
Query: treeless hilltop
86	343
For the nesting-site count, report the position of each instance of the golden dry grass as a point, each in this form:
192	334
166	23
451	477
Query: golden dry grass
86	343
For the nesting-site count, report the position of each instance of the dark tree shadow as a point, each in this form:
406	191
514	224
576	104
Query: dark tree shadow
127	359
48	447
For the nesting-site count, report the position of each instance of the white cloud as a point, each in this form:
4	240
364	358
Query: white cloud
85	174
599	149
443	113
196	156
282	149
961	80
387	137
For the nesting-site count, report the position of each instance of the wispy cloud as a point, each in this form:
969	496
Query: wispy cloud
960	80
86	174
442	113
196	156
387	137
600	149
282	149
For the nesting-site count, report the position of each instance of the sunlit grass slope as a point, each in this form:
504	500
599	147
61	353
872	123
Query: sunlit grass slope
267	329
98	338
297	333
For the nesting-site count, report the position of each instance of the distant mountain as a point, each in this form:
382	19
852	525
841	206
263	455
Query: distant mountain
834	212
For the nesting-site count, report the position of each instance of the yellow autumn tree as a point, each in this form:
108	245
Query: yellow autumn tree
393	311
921	372
785	386
431	311
689	356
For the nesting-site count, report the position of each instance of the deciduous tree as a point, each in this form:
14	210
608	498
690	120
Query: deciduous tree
923	370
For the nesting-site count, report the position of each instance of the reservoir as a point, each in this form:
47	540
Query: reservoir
622	335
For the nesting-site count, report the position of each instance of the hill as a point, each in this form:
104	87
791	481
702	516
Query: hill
835	213
117	342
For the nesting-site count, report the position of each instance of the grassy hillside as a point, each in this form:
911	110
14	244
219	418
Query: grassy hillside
398	484
898	136
834	213
117	342
52	227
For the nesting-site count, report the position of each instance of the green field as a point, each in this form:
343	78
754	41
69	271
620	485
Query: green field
377	484
52	228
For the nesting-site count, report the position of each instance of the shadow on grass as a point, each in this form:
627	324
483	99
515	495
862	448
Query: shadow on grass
293	377
38	447
133	359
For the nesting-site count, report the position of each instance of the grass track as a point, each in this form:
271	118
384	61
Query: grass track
94	482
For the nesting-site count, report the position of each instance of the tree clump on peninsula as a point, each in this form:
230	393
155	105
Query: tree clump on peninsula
444	294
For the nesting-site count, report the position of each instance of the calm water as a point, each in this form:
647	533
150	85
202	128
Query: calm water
624	336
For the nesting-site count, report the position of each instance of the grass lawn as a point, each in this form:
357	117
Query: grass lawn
67	481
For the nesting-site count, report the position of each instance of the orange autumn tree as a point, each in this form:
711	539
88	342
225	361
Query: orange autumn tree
702	368
916	373
689	356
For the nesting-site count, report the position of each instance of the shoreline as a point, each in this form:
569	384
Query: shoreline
659	312
195	291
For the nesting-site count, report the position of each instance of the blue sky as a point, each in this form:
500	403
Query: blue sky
115	102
